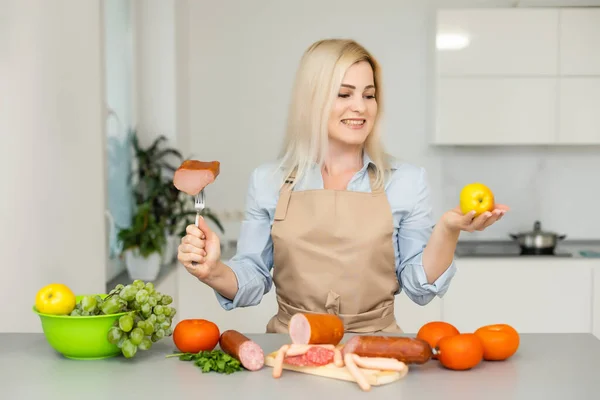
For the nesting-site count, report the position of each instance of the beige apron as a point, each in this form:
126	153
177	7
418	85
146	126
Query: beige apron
333	253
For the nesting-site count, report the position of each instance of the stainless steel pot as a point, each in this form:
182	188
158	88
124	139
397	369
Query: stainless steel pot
537	240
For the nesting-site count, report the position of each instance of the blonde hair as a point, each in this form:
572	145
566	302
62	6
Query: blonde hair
315	89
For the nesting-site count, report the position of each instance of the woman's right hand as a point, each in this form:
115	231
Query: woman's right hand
200	250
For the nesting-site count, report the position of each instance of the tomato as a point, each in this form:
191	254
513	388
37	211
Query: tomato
195	335
433	331
460	352
500	341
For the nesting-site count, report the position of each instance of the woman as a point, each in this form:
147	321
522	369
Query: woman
343	226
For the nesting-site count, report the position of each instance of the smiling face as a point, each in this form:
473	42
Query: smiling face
355	109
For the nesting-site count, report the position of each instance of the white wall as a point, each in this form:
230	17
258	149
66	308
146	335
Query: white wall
51	153
118	31
241	58
155	69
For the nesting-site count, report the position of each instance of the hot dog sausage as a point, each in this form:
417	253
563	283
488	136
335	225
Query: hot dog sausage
380	363
405	349
192	175
307	328
247	352
358	375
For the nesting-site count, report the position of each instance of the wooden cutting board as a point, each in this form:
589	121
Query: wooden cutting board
374	377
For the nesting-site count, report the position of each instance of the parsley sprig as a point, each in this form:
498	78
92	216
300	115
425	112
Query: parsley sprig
215	360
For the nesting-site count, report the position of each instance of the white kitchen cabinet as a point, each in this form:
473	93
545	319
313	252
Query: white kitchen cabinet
524	77
495	111
548	295
504	42
168	285
196	300
579	105
579	38
411	316
596	300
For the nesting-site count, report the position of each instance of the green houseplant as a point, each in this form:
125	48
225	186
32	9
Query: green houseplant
161	212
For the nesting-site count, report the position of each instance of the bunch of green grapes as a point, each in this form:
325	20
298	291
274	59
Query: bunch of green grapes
148	317
89	305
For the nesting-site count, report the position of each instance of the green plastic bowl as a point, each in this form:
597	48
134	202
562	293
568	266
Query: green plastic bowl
80	338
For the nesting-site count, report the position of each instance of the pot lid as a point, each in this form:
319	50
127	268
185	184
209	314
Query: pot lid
537	230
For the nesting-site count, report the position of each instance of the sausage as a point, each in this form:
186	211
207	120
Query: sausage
380	363
338	361
356	373
405	349
247	352
278	364
307	328
192	175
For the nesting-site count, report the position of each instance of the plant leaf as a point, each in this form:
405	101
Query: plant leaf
166	152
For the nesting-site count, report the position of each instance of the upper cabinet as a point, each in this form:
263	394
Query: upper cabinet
517	76
508	42
579	41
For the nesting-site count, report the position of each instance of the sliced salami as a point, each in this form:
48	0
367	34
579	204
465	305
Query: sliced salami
314	357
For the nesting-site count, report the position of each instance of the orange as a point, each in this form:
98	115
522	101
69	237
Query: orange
460	352
500	341
433	331
195	335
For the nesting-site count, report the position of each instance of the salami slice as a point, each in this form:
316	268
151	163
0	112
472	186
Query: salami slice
314	357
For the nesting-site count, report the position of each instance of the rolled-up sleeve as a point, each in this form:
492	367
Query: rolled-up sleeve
253	260
413	235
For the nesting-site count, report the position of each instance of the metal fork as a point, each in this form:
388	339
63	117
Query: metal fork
199	205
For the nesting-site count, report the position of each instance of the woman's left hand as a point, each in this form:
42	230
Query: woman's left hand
457	221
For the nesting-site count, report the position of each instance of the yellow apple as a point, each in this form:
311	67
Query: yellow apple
476	197
56	299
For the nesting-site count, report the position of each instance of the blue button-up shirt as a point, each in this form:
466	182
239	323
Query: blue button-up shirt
408	194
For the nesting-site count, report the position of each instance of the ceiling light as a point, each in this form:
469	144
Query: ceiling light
451	41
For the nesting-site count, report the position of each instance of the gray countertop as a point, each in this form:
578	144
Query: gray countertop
565	250
548	366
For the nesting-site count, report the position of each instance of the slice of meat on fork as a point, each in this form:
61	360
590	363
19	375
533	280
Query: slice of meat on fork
192	175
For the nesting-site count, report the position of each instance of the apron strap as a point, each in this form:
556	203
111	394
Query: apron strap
286	192
284	197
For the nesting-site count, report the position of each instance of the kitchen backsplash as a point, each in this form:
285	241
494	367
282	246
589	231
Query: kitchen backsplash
557	186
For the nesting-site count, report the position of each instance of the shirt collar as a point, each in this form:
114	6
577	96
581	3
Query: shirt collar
393	163
367	159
